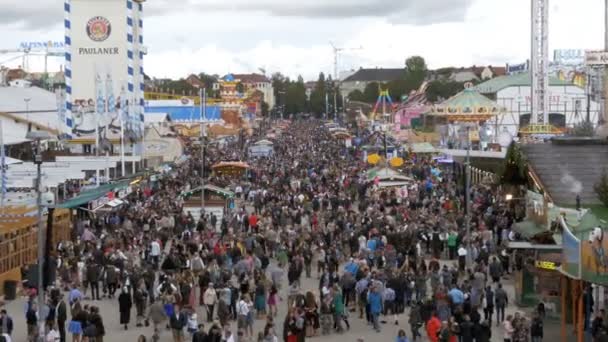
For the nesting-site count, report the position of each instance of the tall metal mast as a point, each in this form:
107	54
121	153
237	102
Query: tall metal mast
540	62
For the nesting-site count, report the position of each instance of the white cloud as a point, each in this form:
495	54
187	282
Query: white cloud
241	38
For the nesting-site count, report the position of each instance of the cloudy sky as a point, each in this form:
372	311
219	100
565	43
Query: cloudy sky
293	37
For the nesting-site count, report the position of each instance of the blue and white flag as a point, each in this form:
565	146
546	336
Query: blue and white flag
100	98
110	95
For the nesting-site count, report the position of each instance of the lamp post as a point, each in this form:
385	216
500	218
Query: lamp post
27	107
38	136
203	135
467	194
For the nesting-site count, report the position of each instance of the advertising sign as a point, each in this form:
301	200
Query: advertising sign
569	56
571	252
596	58
34	45
517	68
99	63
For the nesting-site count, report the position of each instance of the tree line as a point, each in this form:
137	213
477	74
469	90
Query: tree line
292	95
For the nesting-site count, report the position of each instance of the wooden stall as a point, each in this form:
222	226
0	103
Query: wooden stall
19	238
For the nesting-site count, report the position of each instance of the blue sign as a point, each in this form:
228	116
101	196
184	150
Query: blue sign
41	45
518	68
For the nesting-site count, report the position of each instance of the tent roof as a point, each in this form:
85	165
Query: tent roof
497	84
93	194
210	187
264	142
467	103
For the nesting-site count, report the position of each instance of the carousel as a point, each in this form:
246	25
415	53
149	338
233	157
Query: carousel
467	109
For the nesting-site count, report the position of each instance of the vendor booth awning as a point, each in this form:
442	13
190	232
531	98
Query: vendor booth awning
230	167
212	188
93	194
264	142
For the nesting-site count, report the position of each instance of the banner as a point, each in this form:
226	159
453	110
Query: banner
571	252
518	68
97	32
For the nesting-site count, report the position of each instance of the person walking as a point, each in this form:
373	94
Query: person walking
374	300
6	323
488	305
500	300
62	316
536	328
433	327
415	321
124	306
177	323
157	314
210	298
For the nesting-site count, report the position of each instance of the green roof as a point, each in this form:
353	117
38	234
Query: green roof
93	194
468	98
209	187
518	80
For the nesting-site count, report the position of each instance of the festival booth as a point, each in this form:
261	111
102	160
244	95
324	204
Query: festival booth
385	177
262	148
233	169
19	242
409	111
537	280
465	111
584	267
217	201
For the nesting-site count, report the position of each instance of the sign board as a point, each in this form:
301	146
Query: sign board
98	32
569	56
545	265
594	58
517	68
40	45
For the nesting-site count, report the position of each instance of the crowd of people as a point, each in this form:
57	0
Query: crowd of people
308	211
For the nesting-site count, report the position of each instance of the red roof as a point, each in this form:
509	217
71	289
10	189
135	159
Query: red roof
194	81
251	78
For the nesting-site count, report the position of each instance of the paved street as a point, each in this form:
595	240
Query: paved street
359	328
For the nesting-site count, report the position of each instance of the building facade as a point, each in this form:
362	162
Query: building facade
362	77
253	82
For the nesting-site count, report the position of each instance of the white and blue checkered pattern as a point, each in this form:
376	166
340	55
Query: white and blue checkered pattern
68	64
130	62
140	9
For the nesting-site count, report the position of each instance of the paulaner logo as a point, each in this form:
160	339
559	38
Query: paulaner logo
99	29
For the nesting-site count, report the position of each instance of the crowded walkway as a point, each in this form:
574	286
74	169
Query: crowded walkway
311	250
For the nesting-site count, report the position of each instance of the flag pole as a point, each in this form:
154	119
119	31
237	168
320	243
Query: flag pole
3	177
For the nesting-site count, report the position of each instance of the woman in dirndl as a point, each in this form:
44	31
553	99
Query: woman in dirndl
79	317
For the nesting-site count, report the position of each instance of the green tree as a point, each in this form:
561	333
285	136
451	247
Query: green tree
317	98
356	95
398	88
515	168
240	88
371	92
415	72
178	87
208	80
295	97
601	188
265	109
441	90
